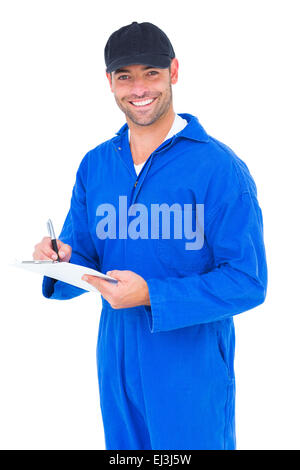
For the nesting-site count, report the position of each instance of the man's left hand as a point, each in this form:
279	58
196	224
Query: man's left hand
130	291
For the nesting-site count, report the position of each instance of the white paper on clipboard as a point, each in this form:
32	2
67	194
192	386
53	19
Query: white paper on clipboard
66	272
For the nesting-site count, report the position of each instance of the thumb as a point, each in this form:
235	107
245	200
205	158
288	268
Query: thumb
93	280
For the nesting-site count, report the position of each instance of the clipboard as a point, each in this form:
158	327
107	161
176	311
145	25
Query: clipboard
62	271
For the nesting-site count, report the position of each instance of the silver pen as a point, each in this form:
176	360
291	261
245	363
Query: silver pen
53	237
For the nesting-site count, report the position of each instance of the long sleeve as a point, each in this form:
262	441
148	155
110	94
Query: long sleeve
237	282
75	232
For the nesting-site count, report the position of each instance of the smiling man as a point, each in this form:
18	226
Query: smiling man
165	349
157	102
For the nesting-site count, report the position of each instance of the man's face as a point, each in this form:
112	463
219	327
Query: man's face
144	93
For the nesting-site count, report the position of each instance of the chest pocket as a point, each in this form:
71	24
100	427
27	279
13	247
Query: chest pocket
187	254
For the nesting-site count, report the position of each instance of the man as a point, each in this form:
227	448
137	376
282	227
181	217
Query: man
165	348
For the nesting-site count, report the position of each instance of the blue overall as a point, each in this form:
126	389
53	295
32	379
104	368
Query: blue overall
166	373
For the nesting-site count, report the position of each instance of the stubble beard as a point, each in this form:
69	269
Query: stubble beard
158	112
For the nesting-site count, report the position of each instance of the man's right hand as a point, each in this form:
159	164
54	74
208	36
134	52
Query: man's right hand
44	250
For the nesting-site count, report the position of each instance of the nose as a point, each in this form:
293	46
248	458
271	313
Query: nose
139	88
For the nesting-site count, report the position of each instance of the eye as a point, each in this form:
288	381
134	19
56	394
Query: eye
121	77
153	72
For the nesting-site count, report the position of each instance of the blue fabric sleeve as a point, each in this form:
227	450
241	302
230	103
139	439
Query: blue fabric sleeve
75	232
237	282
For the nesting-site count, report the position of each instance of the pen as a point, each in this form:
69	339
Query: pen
53	238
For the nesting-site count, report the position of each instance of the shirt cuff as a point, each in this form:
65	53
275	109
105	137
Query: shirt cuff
153	310
59	290
48	286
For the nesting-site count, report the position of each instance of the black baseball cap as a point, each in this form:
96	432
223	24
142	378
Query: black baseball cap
138	43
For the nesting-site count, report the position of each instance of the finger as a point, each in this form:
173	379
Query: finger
101	284
65	250
117	274
62	254
39	255
114	273
50	253
45	247
61	250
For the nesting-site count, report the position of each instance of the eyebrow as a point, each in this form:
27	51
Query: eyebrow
128	71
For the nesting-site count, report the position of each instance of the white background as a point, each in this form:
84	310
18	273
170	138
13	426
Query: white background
238	73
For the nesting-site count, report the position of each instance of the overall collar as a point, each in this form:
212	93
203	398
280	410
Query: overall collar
193	130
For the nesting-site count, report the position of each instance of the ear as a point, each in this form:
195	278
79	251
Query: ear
109	78
174	71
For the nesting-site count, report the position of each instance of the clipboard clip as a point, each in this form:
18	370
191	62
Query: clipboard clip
40	261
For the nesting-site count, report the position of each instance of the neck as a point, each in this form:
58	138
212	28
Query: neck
145	139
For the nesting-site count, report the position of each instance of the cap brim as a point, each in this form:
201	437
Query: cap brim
161	61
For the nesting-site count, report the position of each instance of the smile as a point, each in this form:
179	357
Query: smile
142	104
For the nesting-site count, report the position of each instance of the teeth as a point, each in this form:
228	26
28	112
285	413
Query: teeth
141	103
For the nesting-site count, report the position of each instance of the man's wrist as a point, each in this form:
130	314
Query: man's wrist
146	295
